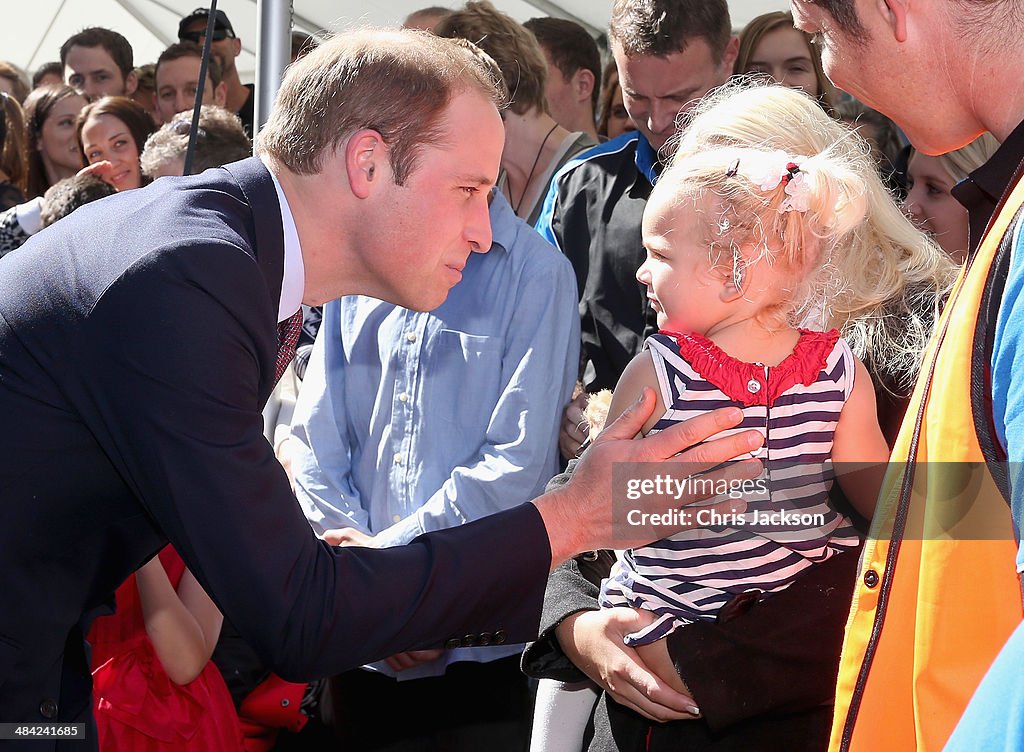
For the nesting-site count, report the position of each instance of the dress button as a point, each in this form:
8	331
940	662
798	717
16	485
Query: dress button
399	459
411	336
871	578
48	709
403	397
285	702
753	386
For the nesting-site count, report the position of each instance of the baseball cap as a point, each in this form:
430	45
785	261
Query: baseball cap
221	24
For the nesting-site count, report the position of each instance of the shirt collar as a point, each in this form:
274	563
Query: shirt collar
293	281
646	159
980	191
504	222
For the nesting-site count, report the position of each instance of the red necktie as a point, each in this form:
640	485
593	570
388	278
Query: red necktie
287	338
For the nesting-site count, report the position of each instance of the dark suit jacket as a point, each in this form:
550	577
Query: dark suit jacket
137	347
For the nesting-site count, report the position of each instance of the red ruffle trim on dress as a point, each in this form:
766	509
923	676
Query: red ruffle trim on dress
734	376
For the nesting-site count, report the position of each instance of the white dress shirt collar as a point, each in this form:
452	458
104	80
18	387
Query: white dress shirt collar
293	283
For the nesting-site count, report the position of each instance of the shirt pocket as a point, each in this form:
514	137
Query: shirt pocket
462	379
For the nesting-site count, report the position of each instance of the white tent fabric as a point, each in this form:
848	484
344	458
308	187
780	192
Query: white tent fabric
33	30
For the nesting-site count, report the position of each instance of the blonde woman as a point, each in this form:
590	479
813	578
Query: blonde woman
930	201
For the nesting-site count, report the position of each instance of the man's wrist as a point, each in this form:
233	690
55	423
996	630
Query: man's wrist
565	533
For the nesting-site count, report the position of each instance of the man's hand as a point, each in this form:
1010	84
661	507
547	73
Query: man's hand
579	515
348	536
574	427
593	641
411	658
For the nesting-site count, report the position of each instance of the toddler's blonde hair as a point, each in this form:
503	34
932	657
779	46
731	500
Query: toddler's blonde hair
888	279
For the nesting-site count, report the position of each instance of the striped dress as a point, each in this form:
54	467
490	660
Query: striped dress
789	526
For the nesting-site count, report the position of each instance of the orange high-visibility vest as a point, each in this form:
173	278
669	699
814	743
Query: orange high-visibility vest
937	594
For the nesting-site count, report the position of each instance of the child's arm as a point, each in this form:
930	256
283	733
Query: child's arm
859	451
183	626
637	375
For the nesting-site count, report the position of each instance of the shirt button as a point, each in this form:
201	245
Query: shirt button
871	578
399	459
403	397
397	518
411	336
753	386
48	709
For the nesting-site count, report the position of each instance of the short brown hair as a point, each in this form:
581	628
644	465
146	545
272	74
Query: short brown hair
66	195
570	48
510	44
663	27
179	50
119	49
397	82
845	15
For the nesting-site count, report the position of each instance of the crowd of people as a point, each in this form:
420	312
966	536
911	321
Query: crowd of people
325	447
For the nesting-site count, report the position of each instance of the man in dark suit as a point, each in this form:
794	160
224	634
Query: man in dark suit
138	343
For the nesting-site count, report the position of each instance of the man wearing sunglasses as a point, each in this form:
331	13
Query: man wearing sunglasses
225	47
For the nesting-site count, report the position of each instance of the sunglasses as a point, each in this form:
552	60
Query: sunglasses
195	36
184	128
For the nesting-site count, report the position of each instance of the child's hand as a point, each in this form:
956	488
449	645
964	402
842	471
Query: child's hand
574	427
412	658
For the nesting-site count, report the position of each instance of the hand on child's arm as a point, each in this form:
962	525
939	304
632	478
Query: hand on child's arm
593	641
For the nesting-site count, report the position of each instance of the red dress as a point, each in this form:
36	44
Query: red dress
137	706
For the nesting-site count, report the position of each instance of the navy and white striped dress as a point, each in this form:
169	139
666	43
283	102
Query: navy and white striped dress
796	406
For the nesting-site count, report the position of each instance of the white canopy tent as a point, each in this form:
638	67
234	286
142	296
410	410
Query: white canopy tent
34	29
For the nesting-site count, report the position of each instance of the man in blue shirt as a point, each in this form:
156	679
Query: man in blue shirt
410	422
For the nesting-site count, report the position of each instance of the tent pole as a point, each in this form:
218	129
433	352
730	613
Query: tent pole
273	29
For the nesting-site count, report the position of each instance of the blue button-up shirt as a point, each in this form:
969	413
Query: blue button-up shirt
409	422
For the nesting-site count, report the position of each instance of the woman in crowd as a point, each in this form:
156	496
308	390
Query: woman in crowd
535	145
51	114
114	130
13	81
766	668
929	202
613	120
770	45
13	165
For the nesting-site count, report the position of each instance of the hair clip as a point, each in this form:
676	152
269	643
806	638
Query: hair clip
792	168
734	169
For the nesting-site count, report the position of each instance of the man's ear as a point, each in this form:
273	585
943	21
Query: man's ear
732	50
131	83
220	94
895	13
583	84
365	155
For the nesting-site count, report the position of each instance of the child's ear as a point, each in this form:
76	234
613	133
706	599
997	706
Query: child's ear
729	292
